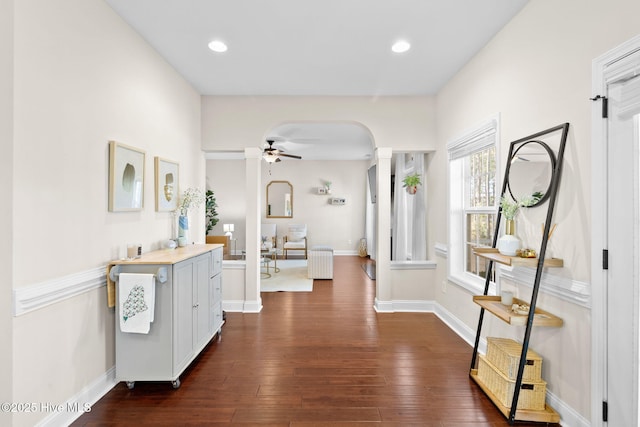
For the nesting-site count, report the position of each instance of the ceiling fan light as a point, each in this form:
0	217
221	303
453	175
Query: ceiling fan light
270	158
401	46
218	46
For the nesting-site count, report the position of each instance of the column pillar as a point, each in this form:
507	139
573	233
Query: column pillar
252	300
383	230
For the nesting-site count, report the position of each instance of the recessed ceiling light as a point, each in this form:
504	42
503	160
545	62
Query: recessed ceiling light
401	46
218	46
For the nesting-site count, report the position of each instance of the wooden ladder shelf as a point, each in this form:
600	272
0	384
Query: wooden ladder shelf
526	313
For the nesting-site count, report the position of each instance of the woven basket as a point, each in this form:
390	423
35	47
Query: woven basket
504	354
532	393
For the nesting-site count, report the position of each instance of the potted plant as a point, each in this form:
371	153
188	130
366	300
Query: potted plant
411	182
210	206
509	243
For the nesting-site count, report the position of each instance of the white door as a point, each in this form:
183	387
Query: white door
623	237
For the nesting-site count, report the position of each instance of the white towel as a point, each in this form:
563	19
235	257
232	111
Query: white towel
136	302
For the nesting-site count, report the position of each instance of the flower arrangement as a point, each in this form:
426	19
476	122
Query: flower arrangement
509	208
191	198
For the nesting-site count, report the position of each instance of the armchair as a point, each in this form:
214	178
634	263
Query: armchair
295	239
225	240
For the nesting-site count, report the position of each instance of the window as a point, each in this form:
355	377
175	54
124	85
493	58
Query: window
472	203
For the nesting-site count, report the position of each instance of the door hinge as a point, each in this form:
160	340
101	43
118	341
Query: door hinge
605	105
605	259
605	411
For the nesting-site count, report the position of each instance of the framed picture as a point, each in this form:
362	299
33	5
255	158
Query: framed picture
126	178
167	181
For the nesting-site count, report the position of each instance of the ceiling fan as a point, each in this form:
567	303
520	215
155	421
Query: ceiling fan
272	154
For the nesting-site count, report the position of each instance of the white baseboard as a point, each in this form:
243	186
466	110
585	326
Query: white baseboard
383	306
345	253
465	332
251	306
411	306
568	416
233	306
81	402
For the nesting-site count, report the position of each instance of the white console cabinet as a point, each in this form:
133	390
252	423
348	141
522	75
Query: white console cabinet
187	315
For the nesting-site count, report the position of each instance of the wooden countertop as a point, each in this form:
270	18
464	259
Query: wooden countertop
170	256
163	256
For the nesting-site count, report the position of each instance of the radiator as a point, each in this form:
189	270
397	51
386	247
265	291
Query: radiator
320	263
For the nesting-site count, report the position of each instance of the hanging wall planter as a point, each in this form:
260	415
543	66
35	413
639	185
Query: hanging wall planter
411	183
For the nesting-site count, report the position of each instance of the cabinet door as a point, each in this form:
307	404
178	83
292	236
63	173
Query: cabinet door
203	329
184	307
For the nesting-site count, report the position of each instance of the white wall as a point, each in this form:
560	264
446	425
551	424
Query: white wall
233	123
226	178
82	78
341	227
6	209
537	74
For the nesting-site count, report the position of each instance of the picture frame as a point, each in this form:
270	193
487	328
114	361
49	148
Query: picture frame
126	178
166	184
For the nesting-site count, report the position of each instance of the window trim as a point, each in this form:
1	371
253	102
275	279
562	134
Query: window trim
481	136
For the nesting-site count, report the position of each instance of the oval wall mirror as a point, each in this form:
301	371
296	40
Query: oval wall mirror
279	199
531	173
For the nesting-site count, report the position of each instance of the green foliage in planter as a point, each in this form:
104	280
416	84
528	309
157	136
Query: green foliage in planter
210	210
412	180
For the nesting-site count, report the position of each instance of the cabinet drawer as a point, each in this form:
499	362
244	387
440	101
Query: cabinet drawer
217	316
216	289
216	261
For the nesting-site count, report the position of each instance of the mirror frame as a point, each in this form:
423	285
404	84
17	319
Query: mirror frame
552	158
267	214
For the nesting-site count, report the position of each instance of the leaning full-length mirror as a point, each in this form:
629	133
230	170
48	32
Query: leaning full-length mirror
531	173
279	199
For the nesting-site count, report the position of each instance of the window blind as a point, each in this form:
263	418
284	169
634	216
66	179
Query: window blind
479	139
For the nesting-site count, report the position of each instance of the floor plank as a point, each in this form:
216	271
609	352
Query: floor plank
321	358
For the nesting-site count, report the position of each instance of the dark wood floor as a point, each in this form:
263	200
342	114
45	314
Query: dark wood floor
312	359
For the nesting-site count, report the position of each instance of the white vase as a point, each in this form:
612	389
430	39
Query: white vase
509	243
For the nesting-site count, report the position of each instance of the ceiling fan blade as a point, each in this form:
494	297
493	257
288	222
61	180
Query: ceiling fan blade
281	154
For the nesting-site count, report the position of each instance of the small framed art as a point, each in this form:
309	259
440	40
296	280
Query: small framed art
166	174
126	178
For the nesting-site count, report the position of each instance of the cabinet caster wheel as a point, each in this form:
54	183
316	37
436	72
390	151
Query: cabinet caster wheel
131	384
176	383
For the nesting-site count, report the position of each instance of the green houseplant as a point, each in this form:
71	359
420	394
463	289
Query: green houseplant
210	206
411	182
509	244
